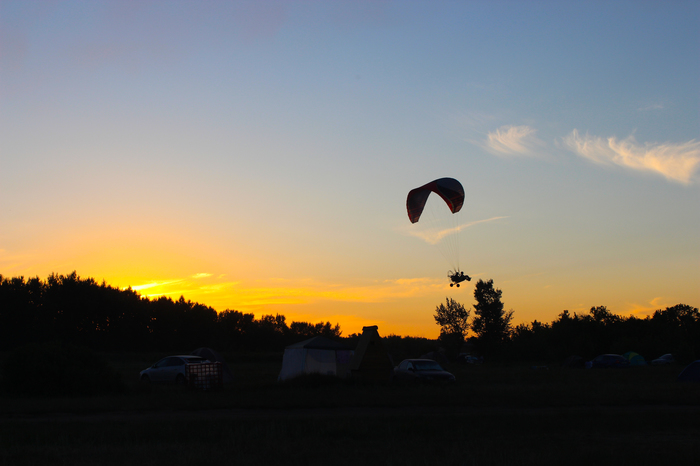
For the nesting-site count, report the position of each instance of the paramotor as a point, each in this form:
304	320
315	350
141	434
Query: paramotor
452	193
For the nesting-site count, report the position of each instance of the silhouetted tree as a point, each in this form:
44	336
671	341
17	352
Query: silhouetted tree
605	330
401	347
679	329
19	302
532	342
234	329
602	315
453	319
270	333
491	324
58	369
302	330
104	318
673	330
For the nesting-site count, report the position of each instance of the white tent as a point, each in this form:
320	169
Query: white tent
318	355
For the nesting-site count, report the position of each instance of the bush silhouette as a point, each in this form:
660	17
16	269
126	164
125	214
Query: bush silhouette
58	369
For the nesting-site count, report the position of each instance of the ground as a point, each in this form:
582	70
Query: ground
492	415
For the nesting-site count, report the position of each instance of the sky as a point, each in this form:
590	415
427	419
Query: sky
256	155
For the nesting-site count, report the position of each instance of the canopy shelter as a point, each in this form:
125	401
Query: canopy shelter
317	355
371	361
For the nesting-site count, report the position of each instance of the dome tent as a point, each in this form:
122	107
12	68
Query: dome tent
635	359
691	373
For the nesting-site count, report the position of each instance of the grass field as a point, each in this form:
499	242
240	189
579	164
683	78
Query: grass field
492	415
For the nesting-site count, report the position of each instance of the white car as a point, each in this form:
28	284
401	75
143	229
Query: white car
170	369
665	360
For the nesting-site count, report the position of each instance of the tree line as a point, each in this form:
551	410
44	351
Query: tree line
490	332
105	318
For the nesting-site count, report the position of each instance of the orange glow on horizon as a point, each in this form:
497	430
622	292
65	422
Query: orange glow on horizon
403	306
304	300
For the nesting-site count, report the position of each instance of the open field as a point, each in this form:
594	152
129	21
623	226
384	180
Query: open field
492	415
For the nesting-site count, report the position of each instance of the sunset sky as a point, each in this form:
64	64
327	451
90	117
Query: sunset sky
256	155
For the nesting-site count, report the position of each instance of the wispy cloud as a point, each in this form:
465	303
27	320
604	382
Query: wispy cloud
256	296
304	291
643	310
159	285
513	141
652	107
433	236
676	162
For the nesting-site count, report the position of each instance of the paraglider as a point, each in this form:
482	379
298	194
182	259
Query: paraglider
449	189
452	193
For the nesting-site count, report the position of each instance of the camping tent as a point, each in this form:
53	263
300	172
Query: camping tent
215	356
574	362
318	355
691	373
635	359
371	361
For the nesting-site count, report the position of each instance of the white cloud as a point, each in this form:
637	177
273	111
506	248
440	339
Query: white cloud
434	236
676	162
643	310
513	140
651	107
161	284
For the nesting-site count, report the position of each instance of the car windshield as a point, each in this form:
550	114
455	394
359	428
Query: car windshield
427	366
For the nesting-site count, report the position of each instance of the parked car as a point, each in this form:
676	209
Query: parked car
421	370
665	360
608	361
170	369
469	359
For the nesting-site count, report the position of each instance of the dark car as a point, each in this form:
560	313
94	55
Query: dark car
170	369
469	359
609	361
421	370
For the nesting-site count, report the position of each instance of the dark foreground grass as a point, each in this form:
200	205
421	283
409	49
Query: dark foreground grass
256	387
490	436
491	416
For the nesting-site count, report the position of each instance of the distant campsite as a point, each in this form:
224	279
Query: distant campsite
87	364
77	319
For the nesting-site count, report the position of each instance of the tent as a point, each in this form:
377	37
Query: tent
574	362
371	361
691	373
318	355
635	359
215	356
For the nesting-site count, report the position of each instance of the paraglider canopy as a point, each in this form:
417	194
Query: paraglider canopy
449	189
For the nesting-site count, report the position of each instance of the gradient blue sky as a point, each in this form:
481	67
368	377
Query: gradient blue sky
257	155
